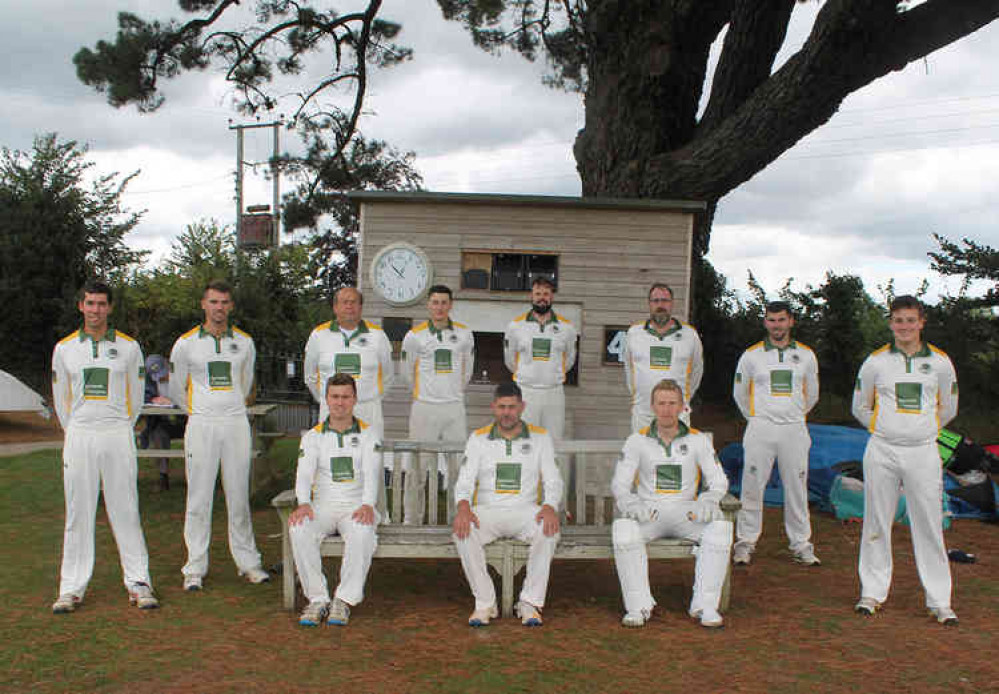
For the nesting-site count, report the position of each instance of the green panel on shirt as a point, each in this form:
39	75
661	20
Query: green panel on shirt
95	383
442	361
660	357
347	363
507	478
342	468
669	478
909	397
541	348
220	375
781	382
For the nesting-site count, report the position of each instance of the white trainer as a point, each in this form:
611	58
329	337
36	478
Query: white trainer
192	583
339	613
530	616
314	614
636	619
141	595
66	603
256	575
481	617
945	616
742	555
807	557
867	607
711	619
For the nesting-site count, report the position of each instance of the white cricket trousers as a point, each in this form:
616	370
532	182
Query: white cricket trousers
430	422
360	542
632	560
789	444
209	442
497	522
642	417
545	407
92	458
889	470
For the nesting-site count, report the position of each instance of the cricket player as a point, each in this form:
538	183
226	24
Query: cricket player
539	349
509	468
438	356
661	347
337	488
776	384
906	391
353	346
655	488
97	390
212	378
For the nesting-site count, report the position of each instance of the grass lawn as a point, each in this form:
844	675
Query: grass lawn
789	629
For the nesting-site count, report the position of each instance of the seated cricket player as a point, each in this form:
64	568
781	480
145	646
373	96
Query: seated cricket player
337	488
507	465
665	463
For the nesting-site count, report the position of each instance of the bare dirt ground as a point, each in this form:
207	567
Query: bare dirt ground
28	427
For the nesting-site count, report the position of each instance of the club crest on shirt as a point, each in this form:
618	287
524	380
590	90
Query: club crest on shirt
362	341
683	449
525	448
795	358
925	368
554	328
233	347
453	338
677	337
112	353
355	441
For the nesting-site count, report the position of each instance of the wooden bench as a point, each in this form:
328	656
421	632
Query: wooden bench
586	532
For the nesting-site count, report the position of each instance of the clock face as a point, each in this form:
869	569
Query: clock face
401	273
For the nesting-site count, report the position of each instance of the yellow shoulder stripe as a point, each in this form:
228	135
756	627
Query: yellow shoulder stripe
241	332
881	350
72	335
483	430
459	325
190	332
536	430
758	345
127	337
372	326
420	327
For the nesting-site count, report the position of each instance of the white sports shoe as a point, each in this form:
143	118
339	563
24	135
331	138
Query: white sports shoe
314	614
339	613
480	618
192	583
636	619
945	616
256	575
141	595
867	607
711	619
807	557
66	603
530	616
742	555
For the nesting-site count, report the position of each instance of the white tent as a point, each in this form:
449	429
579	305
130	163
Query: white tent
17	397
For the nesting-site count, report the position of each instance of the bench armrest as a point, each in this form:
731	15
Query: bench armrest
285	499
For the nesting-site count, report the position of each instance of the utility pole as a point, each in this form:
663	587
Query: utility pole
275	235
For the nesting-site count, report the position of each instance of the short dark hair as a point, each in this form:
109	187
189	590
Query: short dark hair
543	281
779	307
336	293
907	301
341	379
96	287
660	285
220	286
440	289
508	389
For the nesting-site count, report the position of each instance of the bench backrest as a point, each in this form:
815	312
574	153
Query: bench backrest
586	468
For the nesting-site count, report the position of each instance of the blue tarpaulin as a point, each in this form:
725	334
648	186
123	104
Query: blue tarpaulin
830	445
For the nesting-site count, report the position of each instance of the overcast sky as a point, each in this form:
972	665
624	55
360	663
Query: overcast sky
915	153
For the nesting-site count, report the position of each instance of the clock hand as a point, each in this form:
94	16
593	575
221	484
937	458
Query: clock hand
397	271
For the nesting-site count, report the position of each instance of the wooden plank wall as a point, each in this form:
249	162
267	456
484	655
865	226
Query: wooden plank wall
607	260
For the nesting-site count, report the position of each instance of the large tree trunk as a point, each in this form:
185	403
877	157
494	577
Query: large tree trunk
647	61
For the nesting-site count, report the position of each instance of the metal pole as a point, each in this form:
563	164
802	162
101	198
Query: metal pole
239	184
276	172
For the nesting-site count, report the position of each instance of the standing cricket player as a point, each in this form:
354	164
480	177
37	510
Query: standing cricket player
212	378
776	384
354	346
97	389
661	347
509	467
337	488
438	355
670	462
539	349
906	391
